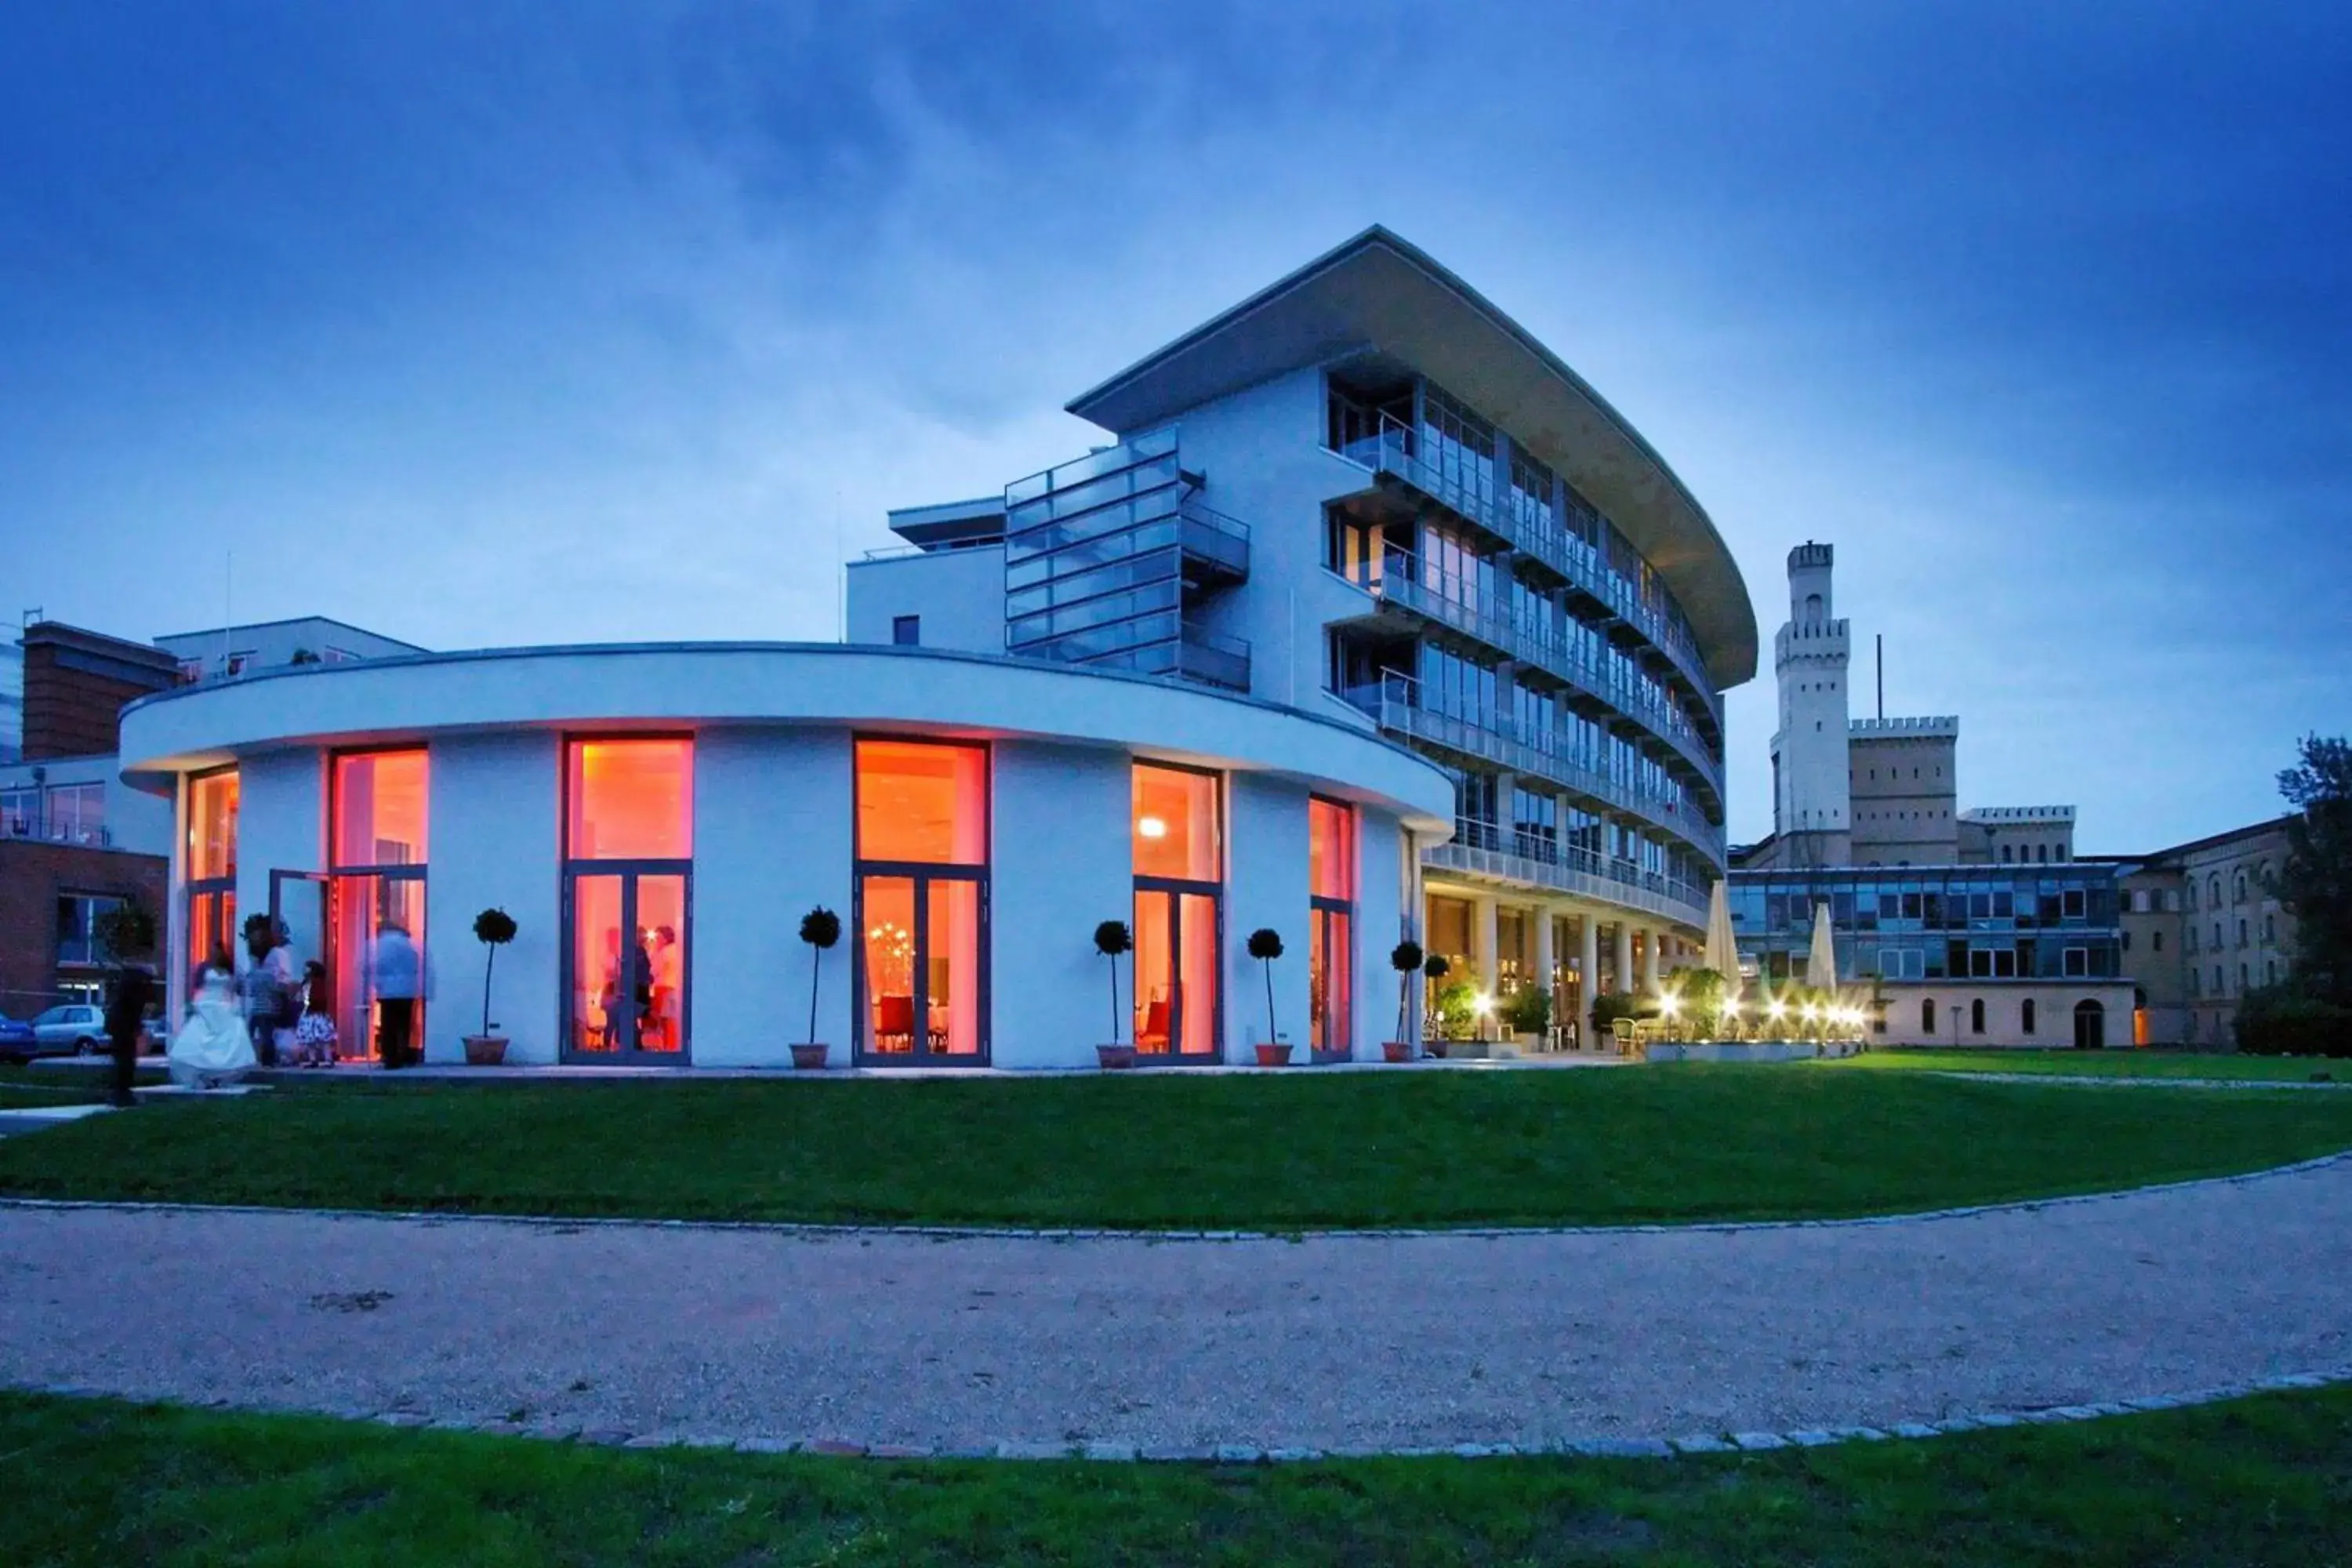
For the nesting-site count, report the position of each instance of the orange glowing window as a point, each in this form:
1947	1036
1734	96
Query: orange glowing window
922	803
1175	824
1330	849
380	799
212	826
630	800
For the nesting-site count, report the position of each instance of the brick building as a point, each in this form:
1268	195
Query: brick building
49	895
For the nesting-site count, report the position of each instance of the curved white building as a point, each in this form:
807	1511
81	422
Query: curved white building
657	818
1373	620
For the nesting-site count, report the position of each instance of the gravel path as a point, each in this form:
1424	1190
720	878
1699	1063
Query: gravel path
1327	1342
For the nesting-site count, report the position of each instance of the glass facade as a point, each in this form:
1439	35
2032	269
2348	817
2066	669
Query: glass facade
1177	833
211	865
1936	923
1331	917
375	900
1105	558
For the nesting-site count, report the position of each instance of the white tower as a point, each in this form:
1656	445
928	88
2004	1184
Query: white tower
1811	787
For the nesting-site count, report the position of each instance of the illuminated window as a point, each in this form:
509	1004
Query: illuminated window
1175	836
628	898
380	809
211	865
375	901
922	901
630	800
1330	962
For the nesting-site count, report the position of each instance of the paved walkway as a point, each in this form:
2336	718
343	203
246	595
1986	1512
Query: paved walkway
1330	1342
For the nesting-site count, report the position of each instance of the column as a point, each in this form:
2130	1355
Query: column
1589	976
1482	940
1648	961
1545	962
1624	956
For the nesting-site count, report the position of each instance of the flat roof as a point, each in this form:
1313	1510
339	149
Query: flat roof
285	621
949	522
1379	293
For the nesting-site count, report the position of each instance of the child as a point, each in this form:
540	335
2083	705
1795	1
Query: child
314	1036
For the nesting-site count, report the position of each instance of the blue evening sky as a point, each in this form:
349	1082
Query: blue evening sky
480	323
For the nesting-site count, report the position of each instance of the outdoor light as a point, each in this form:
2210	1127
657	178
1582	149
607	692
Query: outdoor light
1151	827
1481	1003
1779	1009
1669	1006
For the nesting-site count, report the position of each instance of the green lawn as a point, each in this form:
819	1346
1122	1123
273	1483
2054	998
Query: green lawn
1277	1151
2110	1063
30	1086
2258	1482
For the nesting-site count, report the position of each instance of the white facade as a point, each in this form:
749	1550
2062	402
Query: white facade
955	599
772	732
228	652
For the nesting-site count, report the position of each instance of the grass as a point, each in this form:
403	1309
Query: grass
26	1087
1277	1151
2110	1063
2257	1481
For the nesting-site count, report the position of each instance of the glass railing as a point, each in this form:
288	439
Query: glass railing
1204	655
1470	489
1577	870
1395	702
1210	535
1400	577
54	830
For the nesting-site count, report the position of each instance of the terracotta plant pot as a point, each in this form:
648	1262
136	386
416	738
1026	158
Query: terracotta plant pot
1114	1058
1437	1048
485	1050
1396	1050
810	1057
1273	1055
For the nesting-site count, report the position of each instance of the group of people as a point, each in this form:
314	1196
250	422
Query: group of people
267	1016
652	983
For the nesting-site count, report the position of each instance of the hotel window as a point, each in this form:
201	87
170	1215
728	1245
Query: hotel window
1331	914
629	880
907	631
2156	940
2243	973
1977	1016
2078	961
2025	1016
77	917
922	902
1928	1016
2241	932
375	899
76	813
209	865
1177	843
2270	928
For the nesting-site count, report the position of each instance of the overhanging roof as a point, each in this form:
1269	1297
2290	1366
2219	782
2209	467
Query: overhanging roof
1378	293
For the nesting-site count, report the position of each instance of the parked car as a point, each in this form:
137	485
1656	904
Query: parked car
74	1029
17	1043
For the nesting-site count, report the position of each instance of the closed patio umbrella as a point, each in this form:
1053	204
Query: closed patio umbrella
1821	962
1722	951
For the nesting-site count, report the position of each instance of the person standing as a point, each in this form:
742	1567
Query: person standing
126	1021
397	976
271	994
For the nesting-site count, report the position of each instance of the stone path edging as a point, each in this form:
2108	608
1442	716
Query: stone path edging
818	1230
2127	1081
1245	1454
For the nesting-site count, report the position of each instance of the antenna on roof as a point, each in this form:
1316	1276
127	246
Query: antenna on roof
29	616
1880	638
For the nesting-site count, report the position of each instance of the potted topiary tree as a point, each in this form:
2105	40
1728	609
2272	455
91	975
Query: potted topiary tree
1265	946
1405	958
493	928
820	928
1434	969
1111	939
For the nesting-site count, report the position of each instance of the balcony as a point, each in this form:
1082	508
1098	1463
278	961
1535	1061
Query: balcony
1395	704
1216	548
1204	656
42	829
1393	451
1579	872
1400	578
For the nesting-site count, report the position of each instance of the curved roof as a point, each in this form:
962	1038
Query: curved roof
1379	294
621	686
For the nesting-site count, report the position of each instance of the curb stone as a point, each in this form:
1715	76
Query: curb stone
866	1234
1120	1452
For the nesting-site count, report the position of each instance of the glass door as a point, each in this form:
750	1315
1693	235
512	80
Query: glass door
626	963
922	993
375	960
1175	974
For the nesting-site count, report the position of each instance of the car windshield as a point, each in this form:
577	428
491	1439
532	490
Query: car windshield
55	1016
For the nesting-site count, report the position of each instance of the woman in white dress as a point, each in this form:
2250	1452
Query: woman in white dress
212	1047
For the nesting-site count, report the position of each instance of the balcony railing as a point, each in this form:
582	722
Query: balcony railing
1396	704
1218	541
1395	449
1581	872
1402	578
51	830
1204	654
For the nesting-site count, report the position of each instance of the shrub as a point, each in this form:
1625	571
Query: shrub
1609	1006
1528	1010
1454	1009
2274	1021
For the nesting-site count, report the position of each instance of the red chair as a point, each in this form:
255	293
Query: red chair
893	1019
1153	1036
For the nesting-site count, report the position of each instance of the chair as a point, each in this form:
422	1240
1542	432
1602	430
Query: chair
1153	1036
893	1019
